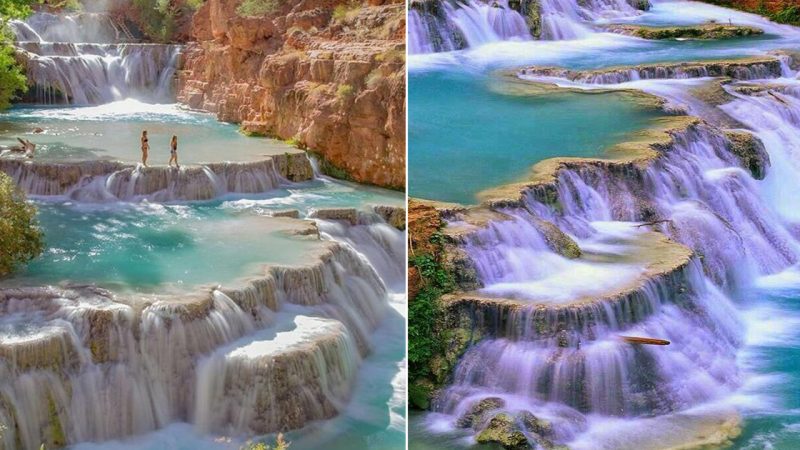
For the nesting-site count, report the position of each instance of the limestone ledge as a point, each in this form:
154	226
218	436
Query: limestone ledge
665	262
639	152
755	67
319	364
705	31
194	182
106	315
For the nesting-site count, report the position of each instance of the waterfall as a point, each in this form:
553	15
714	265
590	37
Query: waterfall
108	181
436	26
83	364
78	60
444	25
562	361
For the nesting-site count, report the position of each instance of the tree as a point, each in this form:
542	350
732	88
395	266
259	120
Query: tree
20	237
12	77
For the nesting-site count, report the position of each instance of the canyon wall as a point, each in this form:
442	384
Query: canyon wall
330	76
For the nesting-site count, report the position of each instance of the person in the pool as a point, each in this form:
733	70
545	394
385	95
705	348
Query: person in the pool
173	152
145	147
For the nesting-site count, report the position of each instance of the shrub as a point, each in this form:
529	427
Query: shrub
344	91
424	311
157	18
340	12
195	4
257	7
280	444
12	77
20	237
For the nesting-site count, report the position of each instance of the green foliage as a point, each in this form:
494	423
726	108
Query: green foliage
20	237
68	5
280	444
789	14
340	12
12	77
157	18
344	91
195	4
14	9
424	312
257	7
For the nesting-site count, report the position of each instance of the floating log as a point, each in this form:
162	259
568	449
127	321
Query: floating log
655	222
644	340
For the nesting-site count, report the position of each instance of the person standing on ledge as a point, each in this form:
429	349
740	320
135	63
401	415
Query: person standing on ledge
173	152
145	147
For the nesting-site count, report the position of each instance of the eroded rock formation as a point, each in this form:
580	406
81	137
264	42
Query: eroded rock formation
327	75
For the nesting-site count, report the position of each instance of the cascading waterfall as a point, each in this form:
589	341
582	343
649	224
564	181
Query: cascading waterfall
437	26
444	25
565	364
84	365
79	61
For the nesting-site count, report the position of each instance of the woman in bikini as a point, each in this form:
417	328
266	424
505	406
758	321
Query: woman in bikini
145	147
173	152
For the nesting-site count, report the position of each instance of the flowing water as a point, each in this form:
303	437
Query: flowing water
198	307
551	357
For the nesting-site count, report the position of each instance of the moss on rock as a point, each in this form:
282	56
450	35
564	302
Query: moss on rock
503	431
750	151
557	240
706	31
475	415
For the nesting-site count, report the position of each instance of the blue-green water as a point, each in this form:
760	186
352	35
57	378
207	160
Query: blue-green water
772	414
466	137
150	247
112	131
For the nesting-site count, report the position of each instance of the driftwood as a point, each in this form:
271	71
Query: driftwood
644	340
27	147
655	222
772	94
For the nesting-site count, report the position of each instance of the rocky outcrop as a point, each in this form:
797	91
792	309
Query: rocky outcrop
328	75
738	69
703	31
95	181
393	215
750	151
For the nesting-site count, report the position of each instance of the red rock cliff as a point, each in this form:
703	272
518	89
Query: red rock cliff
328	74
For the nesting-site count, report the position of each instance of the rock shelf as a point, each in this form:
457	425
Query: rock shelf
104	180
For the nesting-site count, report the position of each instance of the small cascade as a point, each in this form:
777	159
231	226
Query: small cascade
773	113
80	60
382	245
440	26
75	28
572	19
445	25
106	181
758	69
